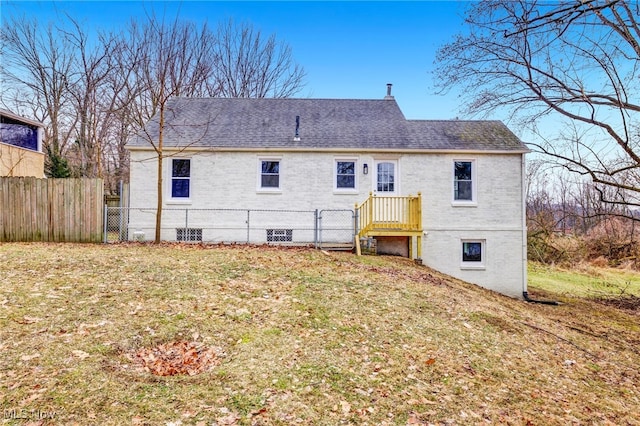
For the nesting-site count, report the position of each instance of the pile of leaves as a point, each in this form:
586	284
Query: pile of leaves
178	358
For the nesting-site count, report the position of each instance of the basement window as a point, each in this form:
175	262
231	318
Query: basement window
473	254
279	235
189	234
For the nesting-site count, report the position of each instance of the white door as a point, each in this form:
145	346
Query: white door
386	177
386	211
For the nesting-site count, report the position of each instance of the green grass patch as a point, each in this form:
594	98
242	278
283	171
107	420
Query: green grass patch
584	281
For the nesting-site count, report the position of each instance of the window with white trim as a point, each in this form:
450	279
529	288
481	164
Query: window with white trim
464	181
473	253
345	175
269	174
180	178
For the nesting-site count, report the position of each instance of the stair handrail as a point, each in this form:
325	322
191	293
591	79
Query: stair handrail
407	208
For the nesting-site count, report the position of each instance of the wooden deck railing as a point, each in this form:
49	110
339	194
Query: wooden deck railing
390	215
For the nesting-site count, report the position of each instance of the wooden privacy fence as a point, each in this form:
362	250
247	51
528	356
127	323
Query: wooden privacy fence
58	210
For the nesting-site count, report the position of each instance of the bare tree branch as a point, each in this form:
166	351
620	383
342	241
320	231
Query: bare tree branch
250	66
40	63
549	64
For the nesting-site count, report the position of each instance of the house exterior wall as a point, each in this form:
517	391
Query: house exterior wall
229	180
16	161
495	219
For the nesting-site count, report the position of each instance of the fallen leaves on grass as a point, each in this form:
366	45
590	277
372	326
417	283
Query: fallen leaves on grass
179	357
27	320
80	354
30	357
311	339
228	420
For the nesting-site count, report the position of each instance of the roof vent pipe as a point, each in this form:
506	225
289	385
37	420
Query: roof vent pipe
389	91
297	135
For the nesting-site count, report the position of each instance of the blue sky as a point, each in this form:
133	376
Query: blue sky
349	49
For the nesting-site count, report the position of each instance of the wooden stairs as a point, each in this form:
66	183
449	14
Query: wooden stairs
395	216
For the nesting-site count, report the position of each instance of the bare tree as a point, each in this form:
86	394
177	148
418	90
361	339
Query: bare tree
167	59
92	98
62	78
93	95
249	65
37	67
575	61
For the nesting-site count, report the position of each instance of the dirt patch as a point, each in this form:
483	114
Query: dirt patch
501	323
629	302
177	358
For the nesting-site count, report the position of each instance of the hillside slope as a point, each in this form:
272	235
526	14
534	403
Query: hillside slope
281	336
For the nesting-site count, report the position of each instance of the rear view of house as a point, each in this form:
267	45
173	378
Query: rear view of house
20	146
449	193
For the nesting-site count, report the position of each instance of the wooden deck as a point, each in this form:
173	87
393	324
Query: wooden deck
390	216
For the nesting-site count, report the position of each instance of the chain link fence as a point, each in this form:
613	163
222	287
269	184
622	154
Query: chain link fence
320	228
336	229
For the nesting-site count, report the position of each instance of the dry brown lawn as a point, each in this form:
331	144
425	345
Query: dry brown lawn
194	335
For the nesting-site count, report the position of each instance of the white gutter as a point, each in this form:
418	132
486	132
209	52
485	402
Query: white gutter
333	150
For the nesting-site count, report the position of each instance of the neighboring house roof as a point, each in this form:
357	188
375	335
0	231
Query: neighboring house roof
9	114
324	124
20	132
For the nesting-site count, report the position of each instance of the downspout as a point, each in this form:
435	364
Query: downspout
525	294
524	227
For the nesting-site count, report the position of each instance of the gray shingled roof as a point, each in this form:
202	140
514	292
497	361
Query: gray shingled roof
324	124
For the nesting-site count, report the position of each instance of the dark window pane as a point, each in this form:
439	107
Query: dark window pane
463	170
181	168
20	135
463	191
346	182
385	187
346	168
180	188
472	252
270	181
270	174
345	174
270	167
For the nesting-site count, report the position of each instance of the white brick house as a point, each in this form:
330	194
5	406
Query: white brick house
306	154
